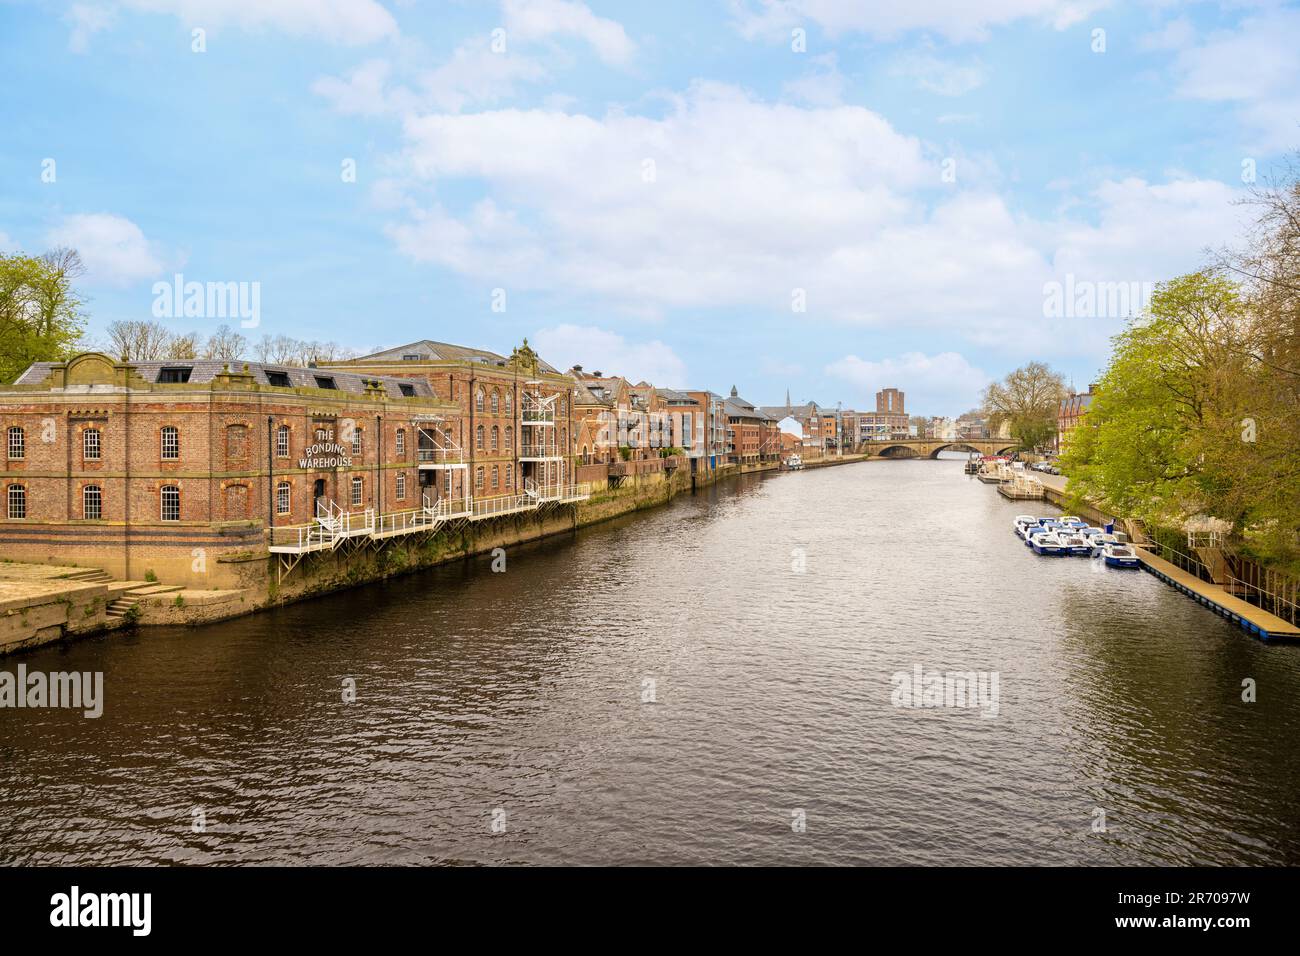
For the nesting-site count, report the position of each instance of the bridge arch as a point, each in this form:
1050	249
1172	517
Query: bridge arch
898	451
988	448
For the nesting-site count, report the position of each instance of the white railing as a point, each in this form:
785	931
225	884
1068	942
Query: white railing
397	522
453	455
302	537
486	507
539	451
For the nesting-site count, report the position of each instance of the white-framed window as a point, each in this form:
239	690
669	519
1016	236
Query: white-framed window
171	443
446	483
510	475
510	404
17	443
479	400
478	478
283	493
401	443
17	501
356	491
282	441
90	444
496	474
496	402
478	437
170	499
401	486
510	437
92	503
356	442
496	437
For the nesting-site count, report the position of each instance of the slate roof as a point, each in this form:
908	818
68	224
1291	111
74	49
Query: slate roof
203	371
431	351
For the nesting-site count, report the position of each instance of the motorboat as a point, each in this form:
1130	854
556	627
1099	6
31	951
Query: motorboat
1074	543
1072	521
1023	522
1047	542
1118	555
794	462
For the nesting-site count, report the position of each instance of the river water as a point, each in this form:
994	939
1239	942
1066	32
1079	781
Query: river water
708	682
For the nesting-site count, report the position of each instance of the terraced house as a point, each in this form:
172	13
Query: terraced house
178	468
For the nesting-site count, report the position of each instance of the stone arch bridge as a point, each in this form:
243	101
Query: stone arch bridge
930	447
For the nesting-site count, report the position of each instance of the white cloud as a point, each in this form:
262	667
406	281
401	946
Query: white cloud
608	352
113	248
956	20
823	85
347	22
751	200
945	380
1255	67
937	75
529	21
479	72
86	20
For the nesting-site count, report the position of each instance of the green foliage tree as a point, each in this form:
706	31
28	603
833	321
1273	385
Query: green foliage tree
1188	420
1027	400
40	314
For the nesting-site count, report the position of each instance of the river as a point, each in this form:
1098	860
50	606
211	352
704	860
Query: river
707	682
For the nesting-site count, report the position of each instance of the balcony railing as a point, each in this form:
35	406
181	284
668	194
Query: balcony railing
440	456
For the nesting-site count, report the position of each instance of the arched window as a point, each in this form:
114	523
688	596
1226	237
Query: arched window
478	400
478	478
171	443
478	437
356	441
17	443
510	404
564	441
510	437
496	437
282	497
282	442
90	444
510	475
92	503
170	501
356	492
496	402
17	501
496	474
401	443
401	486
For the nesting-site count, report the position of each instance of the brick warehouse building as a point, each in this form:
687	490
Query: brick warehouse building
512	419
165	467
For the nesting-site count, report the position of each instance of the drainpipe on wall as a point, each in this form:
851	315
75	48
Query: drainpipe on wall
270	477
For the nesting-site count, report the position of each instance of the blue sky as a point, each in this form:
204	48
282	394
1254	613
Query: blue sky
655	187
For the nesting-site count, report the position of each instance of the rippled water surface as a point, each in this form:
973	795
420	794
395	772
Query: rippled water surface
523	691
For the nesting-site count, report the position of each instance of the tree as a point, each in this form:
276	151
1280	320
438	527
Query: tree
40	313
138	341
184	346
1027	400
225	345
1185	423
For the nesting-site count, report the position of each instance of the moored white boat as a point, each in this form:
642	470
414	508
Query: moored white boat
1118	555
1047	543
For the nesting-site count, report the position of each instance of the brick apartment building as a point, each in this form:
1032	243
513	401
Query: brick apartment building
511	420
1070	415
169	467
